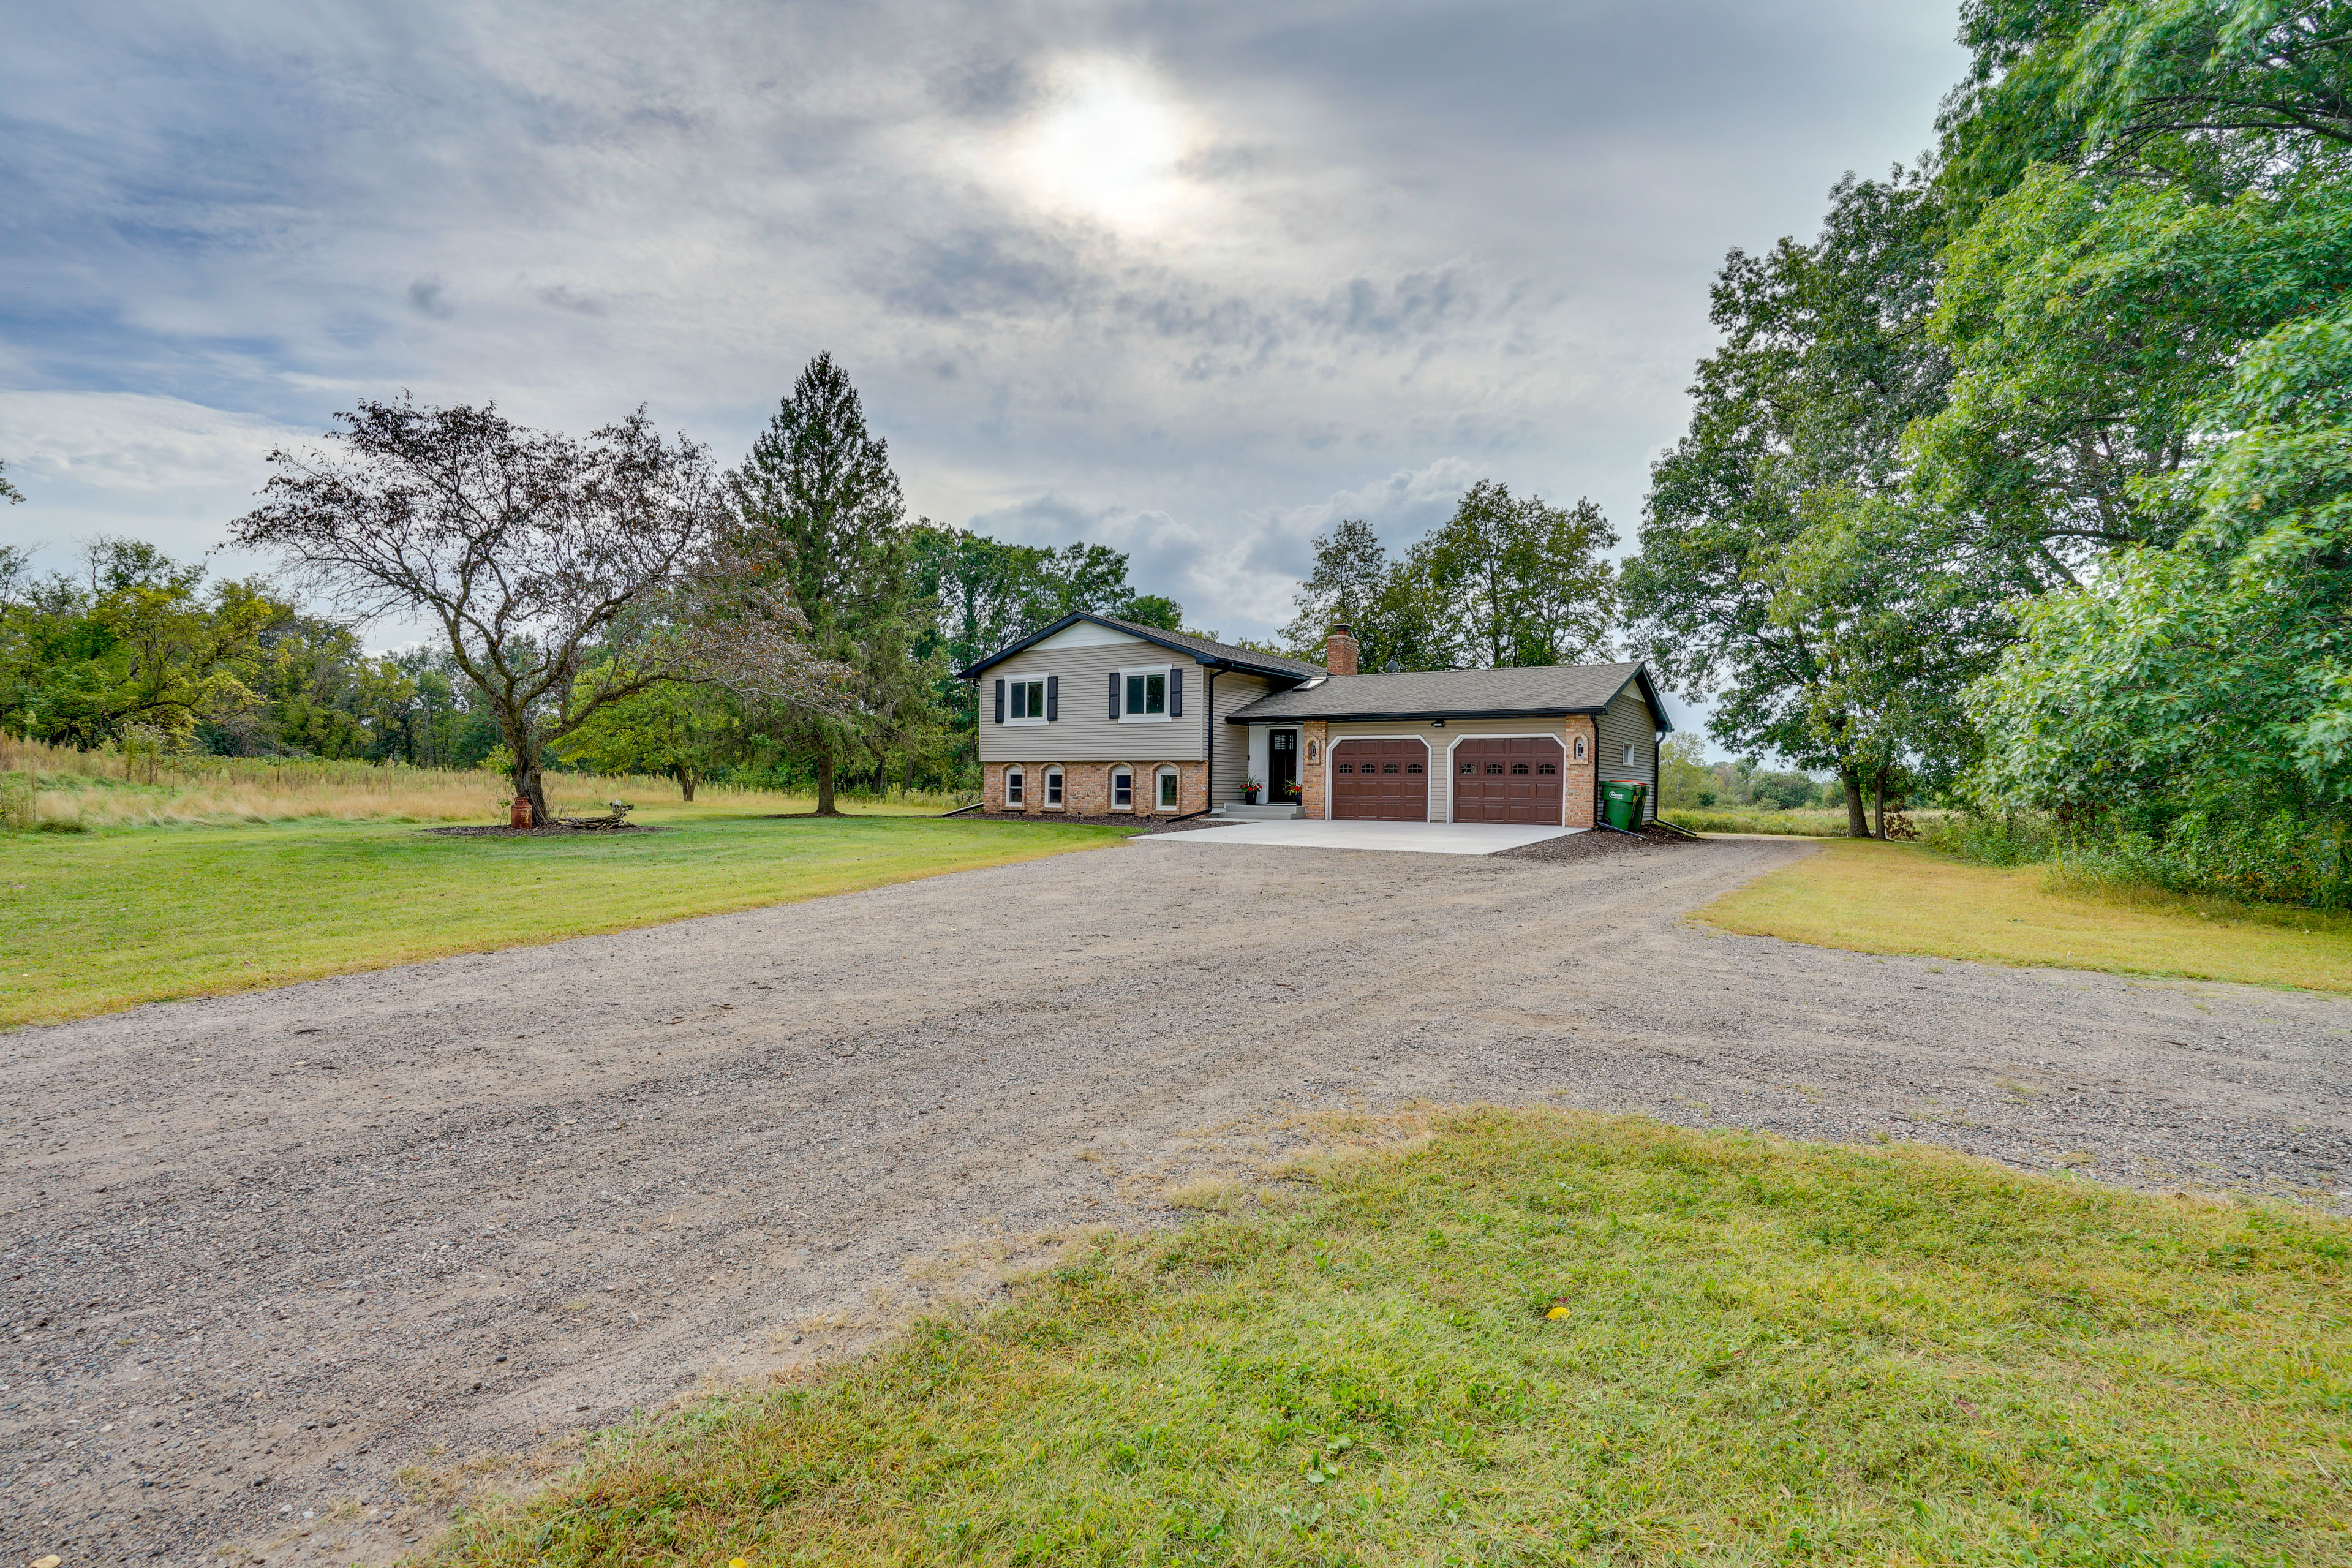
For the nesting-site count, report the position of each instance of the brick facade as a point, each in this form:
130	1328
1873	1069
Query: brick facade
1314	740
1579	781
1086	788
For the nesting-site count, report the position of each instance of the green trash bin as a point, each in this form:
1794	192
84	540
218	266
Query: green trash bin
1623	804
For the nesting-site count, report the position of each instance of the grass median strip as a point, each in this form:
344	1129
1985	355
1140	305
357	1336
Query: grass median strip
93	923
1872	897
1539	1337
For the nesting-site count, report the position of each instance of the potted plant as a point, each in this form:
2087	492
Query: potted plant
1251	790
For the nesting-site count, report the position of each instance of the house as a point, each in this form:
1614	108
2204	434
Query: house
1094	716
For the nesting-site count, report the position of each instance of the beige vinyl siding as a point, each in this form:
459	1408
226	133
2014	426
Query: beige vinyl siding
1629	721
1086	732
1235	693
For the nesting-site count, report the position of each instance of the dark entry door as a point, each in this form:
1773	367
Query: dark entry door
1514	780
1282	765
1380	781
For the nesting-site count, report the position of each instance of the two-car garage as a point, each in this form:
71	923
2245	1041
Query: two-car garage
1512	779
1523	747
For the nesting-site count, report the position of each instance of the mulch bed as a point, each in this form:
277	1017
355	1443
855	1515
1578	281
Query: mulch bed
1594	845
1115	819
554	831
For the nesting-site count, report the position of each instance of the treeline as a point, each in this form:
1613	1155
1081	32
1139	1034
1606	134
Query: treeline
132	649
2029	477
781	623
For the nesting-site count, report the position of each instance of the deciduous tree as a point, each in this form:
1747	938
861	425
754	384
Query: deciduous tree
1523	581
535	554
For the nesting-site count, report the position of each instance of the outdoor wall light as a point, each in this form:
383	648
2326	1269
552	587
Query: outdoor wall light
1310	751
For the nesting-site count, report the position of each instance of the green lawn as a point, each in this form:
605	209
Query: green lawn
92	922
1873	897
1538	1338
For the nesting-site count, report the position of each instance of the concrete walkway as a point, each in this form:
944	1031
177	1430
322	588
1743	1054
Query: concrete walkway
1415	837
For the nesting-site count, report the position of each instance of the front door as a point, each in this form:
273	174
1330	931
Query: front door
1282	765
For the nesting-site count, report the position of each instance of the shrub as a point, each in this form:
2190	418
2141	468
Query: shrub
2012	838
2283	857
16	790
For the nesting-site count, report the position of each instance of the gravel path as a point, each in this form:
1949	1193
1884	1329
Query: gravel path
265	1251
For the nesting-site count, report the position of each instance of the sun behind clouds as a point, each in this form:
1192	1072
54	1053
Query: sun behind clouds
1107	144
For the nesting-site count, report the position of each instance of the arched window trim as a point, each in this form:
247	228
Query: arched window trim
1014	792
1122	773
1166	789
1054	792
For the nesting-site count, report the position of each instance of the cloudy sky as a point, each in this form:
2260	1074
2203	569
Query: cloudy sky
1192	280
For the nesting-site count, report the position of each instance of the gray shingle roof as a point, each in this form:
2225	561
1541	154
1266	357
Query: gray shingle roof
1208	649
1180	642
1458	694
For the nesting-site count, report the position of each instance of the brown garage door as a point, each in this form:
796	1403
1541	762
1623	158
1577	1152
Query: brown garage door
1501	779
1380	781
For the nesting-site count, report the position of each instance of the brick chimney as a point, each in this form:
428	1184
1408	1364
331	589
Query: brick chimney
1340	651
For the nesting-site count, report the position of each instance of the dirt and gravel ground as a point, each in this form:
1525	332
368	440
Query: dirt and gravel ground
264	1253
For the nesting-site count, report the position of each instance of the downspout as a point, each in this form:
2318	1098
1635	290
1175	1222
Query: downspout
1209	720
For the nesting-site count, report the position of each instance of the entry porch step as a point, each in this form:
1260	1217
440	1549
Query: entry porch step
1238	813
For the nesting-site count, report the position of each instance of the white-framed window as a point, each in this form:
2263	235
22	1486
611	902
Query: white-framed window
1167	789
1122	789
1025	702
1013	782
1146	697
1053	789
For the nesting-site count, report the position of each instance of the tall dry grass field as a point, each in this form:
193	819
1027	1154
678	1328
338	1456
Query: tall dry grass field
74	791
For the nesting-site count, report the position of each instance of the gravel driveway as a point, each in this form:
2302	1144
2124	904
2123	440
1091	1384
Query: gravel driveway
265	1251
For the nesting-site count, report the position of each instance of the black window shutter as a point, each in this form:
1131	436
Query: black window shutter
1053	698
1000	700
1114	695
1175	694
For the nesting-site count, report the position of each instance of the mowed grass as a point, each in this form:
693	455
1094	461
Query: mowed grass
1763	1353
93	923
1873	897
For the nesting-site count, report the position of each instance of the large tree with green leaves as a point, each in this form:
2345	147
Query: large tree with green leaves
1507	580
1754	534
2153	340
141	640
1523	581
686	730
816	509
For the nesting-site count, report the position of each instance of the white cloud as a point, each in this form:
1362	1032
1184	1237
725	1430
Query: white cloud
134	443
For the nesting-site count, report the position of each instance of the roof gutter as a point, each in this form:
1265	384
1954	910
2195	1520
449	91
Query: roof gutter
1424	716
